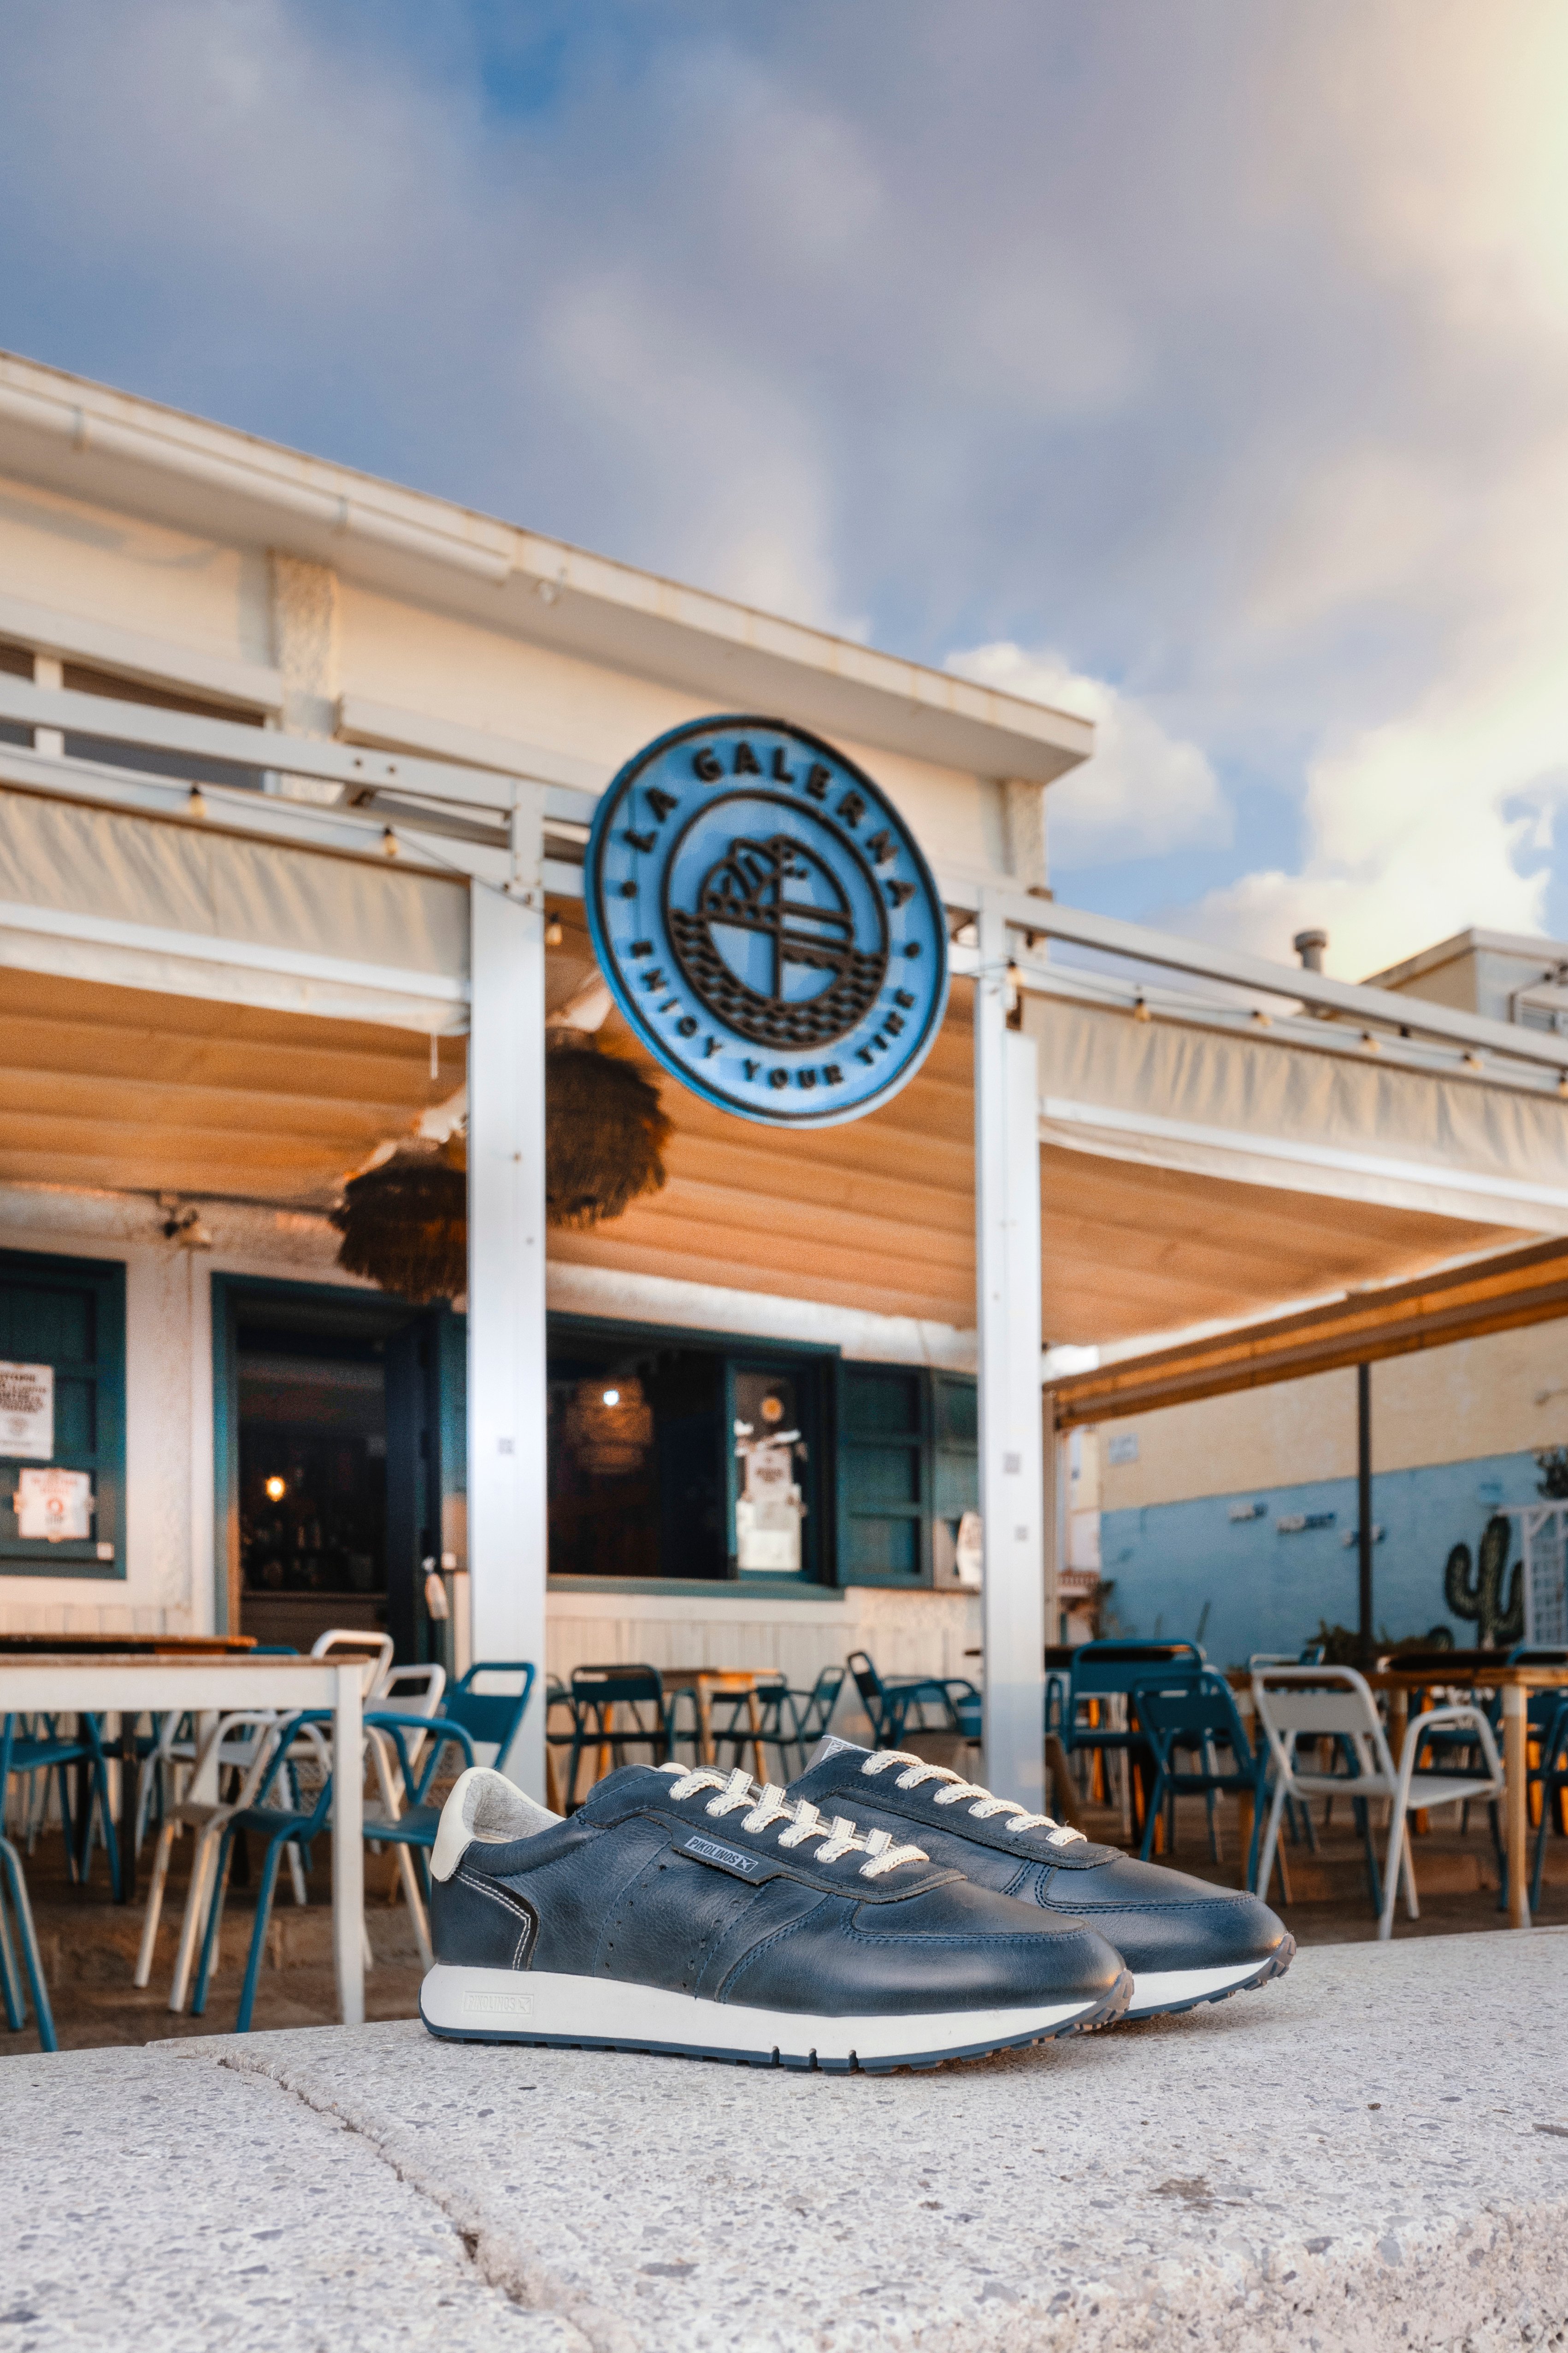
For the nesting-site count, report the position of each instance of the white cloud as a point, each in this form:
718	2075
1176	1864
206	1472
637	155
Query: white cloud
1223	352
1144	791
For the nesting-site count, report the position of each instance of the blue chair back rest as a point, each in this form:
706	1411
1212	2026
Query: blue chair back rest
442	1731
1189	1711
825	1691
606	1686
1311	1654
490	1718
867	1683
1099	1669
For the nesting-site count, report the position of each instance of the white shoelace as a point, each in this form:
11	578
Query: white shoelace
769	1805
916	1770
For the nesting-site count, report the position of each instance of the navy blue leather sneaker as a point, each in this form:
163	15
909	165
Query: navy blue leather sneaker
1185	1941
692	1912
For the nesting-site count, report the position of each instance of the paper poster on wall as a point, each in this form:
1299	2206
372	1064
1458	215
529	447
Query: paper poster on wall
55	1504
769	1512
969	1552
28	1410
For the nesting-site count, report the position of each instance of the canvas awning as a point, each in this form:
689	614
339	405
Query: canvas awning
1496	1293
879	1215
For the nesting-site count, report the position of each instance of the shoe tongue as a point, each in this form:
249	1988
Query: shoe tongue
831	1745
831	1767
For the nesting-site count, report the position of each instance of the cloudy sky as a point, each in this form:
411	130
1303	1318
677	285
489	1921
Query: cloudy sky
1203	367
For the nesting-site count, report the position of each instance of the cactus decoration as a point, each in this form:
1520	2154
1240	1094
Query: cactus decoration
1476	1590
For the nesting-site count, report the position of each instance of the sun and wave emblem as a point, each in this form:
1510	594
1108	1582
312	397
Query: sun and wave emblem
789	919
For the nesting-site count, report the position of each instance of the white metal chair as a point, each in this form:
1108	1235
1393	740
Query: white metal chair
358	1642
1336	1703
208	1821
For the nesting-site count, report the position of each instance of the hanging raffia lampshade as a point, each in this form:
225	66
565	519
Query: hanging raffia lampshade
603	1133
406	1224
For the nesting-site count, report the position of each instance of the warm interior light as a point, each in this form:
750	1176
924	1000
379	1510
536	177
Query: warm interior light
276	1488
612	1397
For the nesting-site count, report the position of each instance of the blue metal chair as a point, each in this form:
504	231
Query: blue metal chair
812	1711
52	1751
1196	1718
596	1694
777	1724
13	1885
1550	1778
490	1718
417	1824
1108	1670
279	1826
556	1696
891	1706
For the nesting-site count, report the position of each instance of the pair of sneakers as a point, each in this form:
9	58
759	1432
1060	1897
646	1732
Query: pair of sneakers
880	1912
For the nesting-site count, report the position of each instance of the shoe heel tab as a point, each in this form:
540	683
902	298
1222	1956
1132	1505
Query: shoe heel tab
484	1805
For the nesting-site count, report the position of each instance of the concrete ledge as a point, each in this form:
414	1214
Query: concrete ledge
1373	2154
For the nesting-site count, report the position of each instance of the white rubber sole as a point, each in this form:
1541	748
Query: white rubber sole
603	2013
1157	1992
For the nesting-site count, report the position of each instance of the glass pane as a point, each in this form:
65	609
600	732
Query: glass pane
955	1485
312	1467
45	1324
76	1416
637	1462
769	1460
957	1411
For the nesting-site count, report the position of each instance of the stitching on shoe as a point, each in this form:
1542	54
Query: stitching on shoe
512	1904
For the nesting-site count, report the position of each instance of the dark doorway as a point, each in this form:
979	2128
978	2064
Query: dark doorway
328	1448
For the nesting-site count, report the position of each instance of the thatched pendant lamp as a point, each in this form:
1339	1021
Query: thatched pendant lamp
406	1224
603	1133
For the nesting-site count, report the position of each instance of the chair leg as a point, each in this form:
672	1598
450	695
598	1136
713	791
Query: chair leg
297	1874
212	1937
68	1824
142	1973
258	1933
1270	1842
106	1817
27	1936
416	1903
1151	1816
1536	1875
197	1895
1399	1867
1362	1812
10	1983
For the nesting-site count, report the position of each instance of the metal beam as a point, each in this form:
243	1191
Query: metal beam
1501	1292
268	748
507	1527
1048	919
1012	1470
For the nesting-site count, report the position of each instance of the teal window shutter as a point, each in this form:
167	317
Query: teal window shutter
909	1464
69	1313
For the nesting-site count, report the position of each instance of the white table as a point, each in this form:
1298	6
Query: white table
123	1684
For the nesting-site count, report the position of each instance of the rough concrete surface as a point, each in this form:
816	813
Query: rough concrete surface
1373	2153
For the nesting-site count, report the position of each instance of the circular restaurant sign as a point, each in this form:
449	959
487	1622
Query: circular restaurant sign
766	922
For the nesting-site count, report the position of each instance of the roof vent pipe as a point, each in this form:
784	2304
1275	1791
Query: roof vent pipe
1309	946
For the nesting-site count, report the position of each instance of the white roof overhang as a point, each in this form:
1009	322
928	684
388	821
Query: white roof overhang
94	443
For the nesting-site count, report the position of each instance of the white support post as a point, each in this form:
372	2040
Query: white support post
507	1503
1011	1467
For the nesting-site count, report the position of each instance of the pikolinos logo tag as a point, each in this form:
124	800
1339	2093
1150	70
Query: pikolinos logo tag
767	922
